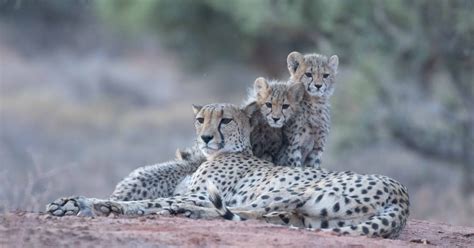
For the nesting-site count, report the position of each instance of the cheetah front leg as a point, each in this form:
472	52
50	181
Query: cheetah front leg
76	205
294	157
314	158
173	205
192	211
290	156
82	206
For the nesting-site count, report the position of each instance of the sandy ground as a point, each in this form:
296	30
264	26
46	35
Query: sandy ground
39	230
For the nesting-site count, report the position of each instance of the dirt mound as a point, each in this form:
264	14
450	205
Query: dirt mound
40	230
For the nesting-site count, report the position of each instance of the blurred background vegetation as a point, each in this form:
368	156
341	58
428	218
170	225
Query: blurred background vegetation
93	89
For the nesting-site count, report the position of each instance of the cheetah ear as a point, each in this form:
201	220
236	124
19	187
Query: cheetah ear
260	85
249	109
293	61
333	63
296	92
196	108
182	155
179	154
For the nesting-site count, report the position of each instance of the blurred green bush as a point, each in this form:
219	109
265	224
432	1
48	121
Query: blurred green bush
407	67
406	31
398	49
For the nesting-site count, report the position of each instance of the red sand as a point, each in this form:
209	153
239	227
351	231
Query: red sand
40	230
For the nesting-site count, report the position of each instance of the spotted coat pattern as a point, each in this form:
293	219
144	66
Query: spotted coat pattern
341	202
306	133
276	102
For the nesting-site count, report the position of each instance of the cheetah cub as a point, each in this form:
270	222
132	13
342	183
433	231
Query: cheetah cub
307	132
276	103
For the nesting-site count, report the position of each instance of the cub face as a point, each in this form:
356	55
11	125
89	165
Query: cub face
222	127
315	71
277	101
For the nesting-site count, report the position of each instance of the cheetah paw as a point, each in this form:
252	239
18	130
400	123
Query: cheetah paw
107	207
192	211
69	206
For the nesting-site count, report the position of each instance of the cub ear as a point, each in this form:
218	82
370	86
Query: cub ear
333	63
293	61
250	108
179	154
196	108
260	85
296	92
182	155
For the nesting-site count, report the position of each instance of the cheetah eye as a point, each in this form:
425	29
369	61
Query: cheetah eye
308	74
325	75
285	106
200	120
268	104
226	120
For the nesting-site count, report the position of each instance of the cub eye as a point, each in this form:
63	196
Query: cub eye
268	104
200	120
325	75
308	74
285	106
226	120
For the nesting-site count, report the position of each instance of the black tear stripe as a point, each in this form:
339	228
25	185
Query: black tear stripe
241	137
283	114
220	132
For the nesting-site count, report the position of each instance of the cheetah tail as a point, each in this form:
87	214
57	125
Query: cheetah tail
216	199
387	224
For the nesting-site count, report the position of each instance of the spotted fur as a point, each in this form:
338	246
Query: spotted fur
276	102
341	202
153	181
306	133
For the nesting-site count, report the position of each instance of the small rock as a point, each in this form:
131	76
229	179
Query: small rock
47	217
421	241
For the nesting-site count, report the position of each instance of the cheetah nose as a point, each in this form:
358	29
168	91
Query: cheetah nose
275	119
206	138
318	86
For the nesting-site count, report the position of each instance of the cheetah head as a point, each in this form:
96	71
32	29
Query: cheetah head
222	127
277	101
315	71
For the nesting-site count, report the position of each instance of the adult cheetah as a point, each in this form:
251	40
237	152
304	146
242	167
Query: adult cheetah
341	202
